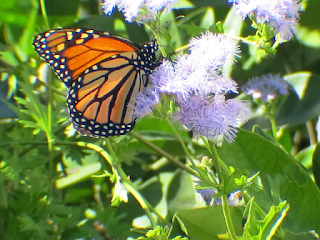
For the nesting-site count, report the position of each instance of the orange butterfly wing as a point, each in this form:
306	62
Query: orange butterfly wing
103	72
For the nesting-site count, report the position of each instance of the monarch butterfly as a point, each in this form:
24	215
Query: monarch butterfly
103	72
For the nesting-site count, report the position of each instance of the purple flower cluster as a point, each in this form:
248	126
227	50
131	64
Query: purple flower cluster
199	86
198	73
132	9
280	15
266	87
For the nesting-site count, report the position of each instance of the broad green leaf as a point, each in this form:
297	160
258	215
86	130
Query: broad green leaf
285	139
193	30
265	229
181	193
309	37
305	156
183	4
296	111
299	81
208	223
233	23
250	151
208	18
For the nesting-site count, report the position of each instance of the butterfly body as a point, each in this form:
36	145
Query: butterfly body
104	73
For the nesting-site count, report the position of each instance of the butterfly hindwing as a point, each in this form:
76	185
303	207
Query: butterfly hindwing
110	113
103	72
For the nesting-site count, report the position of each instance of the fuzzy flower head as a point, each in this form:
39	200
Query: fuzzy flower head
198	86
215	118
266	87
211	51
198	73
145	101
280	15
133	9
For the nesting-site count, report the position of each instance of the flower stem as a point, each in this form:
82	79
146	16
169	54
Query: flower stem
112	160
44	13
273	127
198	173
221	166
270	111
136	194
129	185
163	153
227	217
216	159
311	133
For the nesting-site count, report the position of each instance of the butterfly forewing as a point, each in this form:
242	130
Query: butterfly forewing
71	51
104	74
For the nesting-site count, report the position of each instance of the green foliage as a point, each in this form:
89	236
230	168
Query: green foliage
290	181
55	184
196	220
266	228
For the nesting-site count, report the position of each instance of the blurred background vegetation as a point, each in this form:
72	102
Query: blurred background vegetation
46	188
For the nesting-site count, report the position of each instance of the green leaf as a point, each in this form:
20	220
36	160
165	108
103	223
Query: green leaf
233	23
78	174
232	180
273	220
259	131
208	223
252	152
305	156
208	18
265	229
303	105
193	30
285	140
27	225
309	37
181	193
158	233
